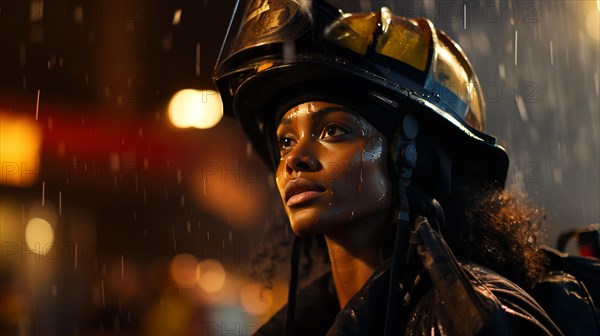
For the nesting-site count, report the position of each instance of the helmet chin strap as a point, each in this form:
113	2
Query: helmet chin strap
403	153
291	306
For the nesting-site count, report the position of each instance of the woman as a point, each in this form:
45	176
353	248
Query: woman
373	125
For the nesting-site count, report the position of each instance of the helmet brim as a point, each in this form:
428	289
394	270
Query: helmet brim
258	99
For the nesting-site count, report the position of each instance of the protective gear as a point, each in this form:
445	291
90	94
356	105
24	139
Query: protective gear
389	70
560	305
380	64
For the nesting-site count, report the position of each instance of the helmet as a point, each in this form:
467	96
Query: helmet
280	52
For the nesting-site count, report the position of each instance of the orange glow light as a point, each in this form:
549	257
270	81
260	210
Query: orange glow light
20	142
211	275
183	270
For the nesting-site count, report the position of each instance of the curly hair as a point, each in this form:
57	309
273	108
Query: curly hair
498	229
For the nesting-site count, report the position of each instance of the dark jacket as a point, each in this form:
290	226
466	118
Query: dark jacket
560	305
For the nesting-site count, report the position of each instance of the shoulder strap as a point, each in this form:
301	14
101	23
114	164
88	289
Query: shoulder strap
469	305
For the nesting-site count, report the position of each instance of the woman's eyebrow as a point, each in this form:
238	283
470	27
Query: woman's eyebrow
319	113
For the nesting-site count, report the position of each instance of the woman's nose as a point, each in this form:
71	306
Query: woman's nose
301	159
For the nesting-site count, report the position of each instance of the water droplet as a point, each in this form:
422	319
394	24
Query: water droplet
271	182
37	105
289	51
464	16
198	59
360	179
522	109
174	242
516	45
249	149
102	291
551	53
75	256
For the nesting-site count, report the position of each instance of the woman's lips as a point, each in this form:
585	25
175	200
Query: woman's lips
300	190
302	197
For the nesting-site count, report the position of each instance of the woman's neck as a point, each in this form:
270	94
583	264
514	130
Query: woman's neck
350	272
354	257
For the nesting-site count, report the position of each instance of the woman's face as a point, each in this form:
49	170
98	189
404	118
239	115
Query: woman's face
333	168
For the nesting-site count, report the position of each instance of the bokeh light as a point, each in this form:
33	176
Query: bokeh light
169	316
195	108
20	142
255	298
211	275
183	270
39	235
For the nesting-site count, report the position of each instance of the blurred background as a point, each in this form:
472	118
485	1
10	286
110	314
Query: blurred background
129	206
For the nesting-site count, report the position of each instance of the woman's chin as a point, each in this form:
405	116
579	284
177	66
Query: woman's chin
305	223
304	230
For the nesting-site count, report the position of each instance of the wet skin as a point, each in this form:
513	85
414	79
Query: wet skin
333	180
333	171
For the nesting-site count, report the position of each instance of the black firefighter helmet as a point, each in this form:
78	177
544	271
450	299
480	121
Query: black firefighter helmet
280	52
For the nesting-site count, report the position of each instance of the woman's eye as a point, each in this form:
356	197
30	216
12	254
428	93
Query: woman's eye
285	142
332	131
